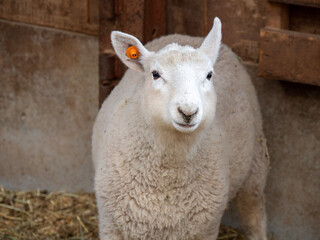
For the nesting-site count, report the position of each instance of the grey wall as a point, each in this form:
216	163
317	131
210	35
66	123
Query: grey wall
48	102
291	114
291	118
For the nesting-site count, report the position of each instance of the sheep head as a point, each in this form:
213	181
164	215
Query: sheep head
179	80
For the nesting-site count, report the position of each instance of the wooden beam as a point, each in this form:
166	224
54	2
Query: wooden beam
248	50
109	65
126	16
187	17
289	55
78	16
278	16
308	3
154	19
93	12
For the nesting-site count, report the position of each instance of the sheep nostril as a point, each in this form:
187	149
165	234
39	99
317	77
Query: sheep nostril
187	116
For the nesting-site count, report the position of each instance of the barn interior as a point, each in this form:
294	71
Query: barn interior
58	65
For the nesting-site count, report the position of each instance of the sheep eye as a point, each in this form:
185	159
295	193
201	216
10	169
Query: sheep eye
155	75
209	76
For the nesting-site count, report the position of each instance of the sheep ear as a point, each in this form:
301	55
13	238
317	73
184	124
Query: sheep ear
211	43
121	42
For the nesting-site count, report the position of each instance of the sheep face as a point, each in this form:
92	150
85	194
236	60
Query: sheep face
179	80
179	89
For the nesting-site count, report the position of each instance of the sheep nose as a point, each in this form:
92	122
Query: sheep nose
187	115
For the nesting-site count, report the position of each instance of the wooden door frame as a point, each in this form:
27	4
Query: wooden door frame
145	19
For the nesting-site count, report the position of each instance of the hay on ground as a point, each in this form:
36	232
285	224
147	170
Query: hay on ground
38	215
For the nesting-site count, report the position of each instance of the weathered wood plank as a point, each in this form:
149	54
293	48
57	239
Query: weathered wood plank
278	16
78	16
187	17
126	16
154	19
93	12
247	50
289	55
309	3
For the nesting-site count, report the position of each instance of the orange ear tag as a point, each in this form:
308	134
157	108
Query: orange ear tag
132	52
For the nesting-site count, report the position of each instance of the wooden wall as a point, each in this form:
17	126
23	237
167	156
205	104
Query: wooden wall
145	19
148	19
78	16
290	42
242	22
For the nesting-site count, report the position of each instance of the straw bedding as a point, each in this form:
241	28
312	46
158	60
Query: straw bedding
38	215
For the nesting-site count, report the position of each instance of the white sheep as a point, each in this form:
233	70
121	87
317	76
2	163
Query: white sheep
176	140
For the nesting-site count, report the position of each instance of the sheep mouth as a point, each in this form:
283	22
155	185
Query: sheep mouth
185	127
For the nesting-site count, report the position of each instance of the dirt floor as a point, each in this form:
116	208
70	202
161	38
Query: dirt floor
41	215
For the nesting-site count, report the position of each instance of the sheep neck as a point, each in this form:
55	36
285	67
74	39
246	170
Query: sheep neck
172	148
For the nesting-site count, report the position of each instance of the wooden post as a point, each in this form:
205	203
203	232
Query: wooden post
278	16
145	19
188	17
126	16
154	19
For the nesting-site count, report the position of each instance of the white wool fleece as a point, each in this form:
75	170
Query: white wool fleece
176	140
